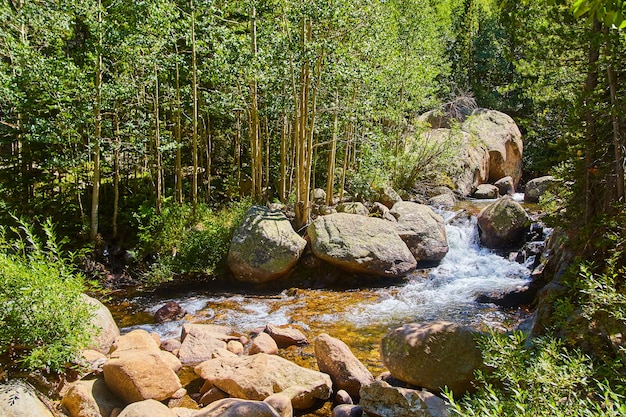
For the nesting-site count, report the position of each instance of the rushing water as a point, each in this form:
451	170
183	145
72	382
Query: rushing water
361	316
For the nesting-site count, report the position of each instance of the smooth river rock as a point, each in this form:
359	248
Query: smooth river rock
360	244
90	398
258	376
102	320
502	224
382	400
432	355
537	187
264	247
19	399
423	230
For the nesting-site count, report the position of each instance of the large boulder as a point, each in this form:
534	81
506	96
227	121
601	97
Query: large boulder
147	408
502	224
19	399
382	400
503	140
235	407
486	191
423	230
535	188
265	246
258	376
103	321
360	244
432	355
353	208
505	186
90	398
336	359
286	336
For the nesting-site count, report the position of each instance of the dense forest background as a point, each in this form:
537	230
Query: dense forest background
110	110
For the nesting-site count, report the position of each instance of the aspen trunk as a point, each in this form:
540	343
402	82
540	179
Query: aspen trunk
116	174
157	143
178	132
95	194
330	181
194	135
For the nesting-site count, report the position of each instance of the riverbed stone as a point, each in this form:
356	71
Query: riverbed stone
336	359
423	230
502	224
235	407
388	196
281	403
286	336
137	375
432	355
90	398
347	410
505	186
147	408
138	339
537	187
353	208
264	247
258	376
170	311
486	191
263	343
104	322
360	244
382	400
19	399
442	200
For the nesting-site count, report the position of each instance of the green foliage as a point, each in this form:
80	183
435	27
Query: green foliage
44	322
540	377
185	244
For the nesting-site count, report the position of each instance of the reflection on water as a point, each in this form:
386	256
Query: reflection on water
359	317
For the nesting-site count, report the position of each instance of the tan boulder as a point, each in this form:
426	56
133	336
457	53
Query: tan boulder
138	375
235	407
90	398
360	244
103	321
258	376
286	336
336	359
422	230
147	408
263	343
135	340
432	355
199	342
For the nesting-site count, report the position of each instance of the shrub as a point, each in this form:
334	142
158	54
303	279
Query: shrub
44	323
184	244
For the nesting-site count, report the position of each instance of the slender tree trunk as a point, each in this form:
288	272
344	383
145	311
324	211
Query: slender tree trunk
95	195
209	153
255	133
179	143
157	143
237	152
330	181
618	140
592	186
194	87
116	174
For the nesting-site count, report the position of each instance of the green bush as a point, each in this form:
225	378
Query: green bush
540	378
186	244
44	323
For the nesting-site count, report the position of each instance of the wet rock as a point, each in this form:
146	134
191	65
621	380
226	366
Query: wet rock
265	246
102	320
263	343
90	398
503	223
522	295
353	208
537	187
147	408
422	230
432	355
505	186
347	410
19	399
258	376
360	244
234	407
486	191
336	359
342	397
212	395
286	336
382	400
171	311
442	200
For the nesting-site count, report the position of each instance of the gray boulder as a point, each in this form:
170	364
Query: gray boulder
486	191
265	246
147	408
258	376
336	359
19	399
388	196
535	188
382	400
235	407
442	200
502	224
432	355
505	186
360	244
353	208
422	230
